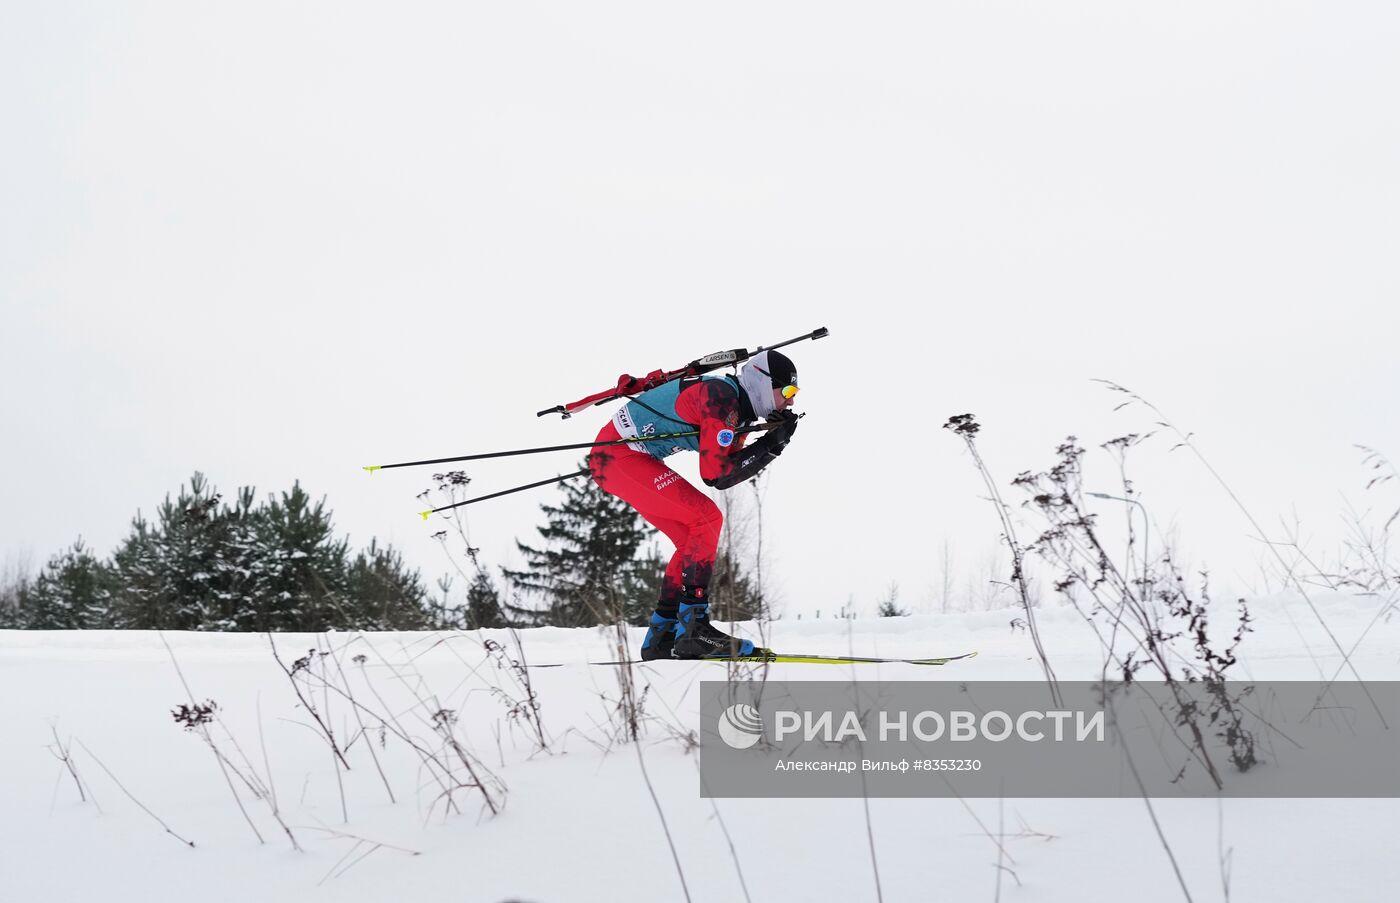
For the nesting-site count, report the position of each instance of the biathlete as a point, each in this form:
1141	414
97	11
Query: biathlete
717	407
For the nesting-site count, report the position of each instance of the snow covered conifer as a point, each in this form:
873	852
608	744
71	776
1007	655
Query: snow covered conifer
382	594
734	592
168	574
14	589
484	603
72	592
588	571
889	606
301	566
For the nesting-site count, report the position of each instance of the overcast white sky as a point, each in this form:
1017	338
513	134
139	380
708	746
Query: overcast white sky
276	241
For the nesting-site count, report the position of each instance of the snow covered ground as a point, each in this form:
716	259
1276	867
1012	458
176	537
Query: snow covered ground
578	821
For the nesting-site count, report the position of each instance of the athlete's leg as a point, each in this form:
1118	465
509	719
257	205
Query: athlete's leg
679	628
669	503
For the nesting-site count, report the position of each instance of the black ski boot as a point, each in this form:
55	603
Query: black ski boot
660	637
696	637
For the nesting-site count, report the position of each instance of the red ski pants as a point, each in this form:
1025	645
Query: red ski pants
667	502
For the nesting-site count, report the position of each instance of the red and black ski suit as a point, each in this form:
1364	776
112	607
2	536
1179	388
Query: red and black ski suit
634	472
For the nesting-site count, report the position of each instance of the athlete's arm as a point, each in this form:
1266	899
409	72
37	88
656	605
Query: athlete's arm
747	463
724	460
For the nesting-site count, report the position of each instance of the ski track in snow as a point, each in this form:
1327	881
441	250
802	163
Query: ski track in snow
578	823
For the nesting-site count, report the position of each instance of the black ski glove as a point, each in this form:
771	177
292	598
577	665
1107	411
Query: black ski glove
782	433
751	459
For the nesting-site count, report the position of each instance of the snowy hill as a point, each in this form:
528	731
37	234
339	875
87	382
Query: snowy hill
586	817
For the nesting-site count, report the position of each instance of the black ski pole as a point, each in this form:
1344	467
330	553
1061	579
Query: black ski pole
758	427
578	473
494	495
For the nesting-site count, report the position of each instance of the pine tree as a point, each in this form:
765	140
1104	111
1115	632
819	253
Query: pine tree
204	565
239	566
14	592
302	568
137	602
72	592
889	606
11	610
484	604
734	593
641	585
587	572
382	594
170	575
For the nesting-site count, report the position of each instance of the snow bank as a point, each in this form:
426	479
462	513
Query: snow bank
578	821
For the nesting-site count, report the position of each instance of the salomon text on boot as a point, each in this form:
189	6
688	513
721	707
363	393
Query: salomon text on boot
696	637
